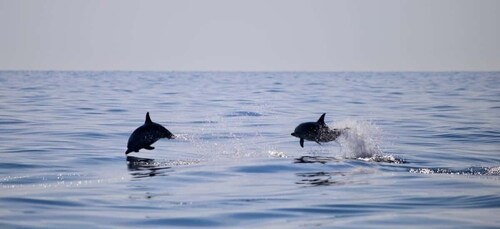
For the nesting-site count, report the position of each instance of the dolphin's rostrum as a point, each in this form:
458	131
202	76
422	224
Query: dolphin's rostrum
147	134
316	131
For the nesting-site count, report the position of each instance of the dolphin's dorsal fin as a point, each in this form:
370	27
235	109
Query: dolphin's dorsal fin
148	119
321	119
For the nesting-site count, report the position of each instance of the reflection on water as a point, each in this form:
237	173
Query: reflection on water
140	167
315	159
320	178
145	167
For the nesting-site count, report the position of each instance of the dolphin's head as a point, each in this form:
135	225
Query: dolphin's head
307	130
164	133
168	134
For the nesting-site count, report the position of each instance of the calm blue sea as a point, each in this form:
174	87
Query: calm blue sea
422	150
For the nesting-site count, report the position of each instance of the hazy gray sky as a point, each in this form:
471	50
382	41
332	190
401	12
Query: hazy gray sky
312	35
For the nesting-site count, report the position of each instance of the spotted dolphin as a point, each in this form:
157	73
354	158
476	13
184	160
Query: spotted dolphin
315	131
147	134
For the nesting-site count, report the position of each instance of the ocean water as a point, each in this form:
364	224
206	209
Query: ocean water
422	150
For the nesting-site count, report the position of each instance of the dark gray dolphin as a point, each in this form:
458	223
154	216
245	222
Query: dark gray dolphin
316	131
147	134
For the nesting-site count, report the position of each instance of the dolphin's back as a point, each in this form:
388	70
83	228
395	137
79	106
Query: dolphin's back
327	135
316	131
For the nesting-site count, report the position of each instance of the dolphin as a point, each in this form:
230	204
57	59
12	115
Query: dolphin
315	131
147	134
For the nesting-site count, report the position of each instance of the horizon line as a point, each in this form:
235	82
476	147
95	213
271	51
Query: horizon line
250	71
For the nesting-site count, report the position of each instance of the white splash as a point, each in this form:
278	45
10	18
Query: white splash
360	139
275	153
493	171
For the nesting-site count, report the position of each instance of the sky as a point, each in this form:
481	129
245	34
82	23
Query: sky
256	35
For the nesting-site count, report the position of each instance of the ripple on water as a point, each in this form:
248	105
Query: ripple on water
39	202
177	222
243	114
62	141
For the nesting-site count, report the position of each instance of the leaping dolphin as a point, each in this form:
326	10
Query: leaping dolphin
147	134
315	131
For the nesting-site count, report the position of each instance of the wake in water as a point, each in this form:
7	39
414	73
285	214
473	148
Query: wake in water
361	140
488	171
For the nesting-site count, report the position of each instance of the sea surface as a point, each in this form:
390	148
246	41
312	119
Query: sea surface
422	150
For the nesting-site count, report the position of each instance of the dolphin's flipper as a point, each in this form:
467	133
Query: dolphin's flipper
302	142
321	120
149	148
